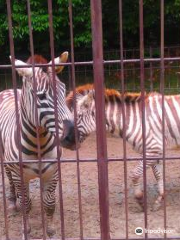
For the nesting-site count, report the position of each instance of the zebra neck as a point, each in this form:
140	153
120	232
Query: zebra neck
33	138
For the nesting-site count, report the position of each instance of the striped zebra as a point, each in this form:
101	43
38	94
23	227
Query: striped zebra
133	114
28	133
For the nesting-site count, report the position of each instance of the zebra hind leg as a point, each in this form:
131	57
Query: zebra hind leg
12	193
138	193
49	204
157	170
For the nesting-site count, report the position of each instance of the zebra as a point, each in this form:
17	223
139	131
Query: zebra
28	133
86	124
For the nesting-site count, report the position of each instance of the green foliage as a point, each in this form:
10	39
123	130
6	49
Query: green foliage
82	24
40	24
3	22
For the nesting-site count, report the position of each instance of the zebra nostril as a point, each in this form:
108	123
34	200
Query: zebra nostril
68	139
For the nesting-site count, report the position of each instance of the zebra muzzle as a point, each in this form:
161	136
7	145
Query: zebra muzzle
68	139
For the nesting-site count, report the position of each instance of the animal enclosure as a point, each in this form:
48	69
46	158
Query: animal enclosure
97	181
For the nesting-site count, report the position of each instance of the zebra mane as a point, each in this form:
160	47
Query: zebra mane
80	92
38	59
110	95
114	95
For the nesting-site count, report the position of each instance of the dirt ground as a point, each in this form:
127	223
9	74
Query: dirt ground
89	198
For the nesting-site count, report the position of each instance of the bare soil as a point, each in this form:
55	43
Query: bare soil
90	196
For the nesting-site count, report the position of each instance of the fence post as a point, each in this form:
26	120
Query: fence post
98	70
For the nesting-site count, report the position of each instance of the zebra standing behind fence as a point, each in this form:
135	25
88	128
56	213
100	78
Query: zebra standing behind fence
86	123
28	133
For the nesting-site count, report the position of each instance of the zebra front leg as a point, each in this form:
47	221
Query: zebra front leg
49	203
12	192
25	204
157	170
138	193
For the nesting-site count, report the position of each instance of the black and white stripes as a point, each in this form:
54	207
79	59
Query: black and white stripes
133	116
44	123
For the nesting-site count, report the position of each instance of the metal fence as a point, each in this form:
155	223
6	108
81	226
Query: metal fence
102	160
112	72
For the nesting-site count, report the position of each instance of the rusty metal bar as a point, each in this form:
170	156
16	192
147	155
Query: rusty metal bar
136	60
75	116
98	70
141	32
36	117
94	160
17	113
151	71
149	238
61	204
123	116
163	110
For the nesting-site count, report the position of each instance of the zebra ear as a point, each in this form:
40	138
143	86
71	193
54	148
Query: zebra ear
22	71
61	59
87	99
91	95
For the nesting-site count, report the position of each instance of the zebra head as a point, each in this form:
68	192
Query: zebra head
43	89
86	119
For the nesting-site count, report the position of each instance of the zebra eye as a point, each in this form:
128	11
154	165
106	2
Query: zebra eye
86	105
93	113
79	114
41	96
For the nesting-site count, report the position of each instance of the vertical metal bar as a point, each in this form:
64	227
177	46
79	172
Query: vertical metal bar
75	116
98	69
36	115
151	71
123	115
4	190
143	109
163	110
17	113
162	46
56	119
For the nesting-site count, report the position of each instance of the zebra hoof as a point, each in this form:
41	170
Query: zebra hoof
12	207
141	207
157	206
25	237
50	231
140	202
26	234
28	229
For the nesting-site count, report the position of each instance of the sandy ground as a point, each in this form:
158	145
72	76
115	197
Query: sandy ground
89	198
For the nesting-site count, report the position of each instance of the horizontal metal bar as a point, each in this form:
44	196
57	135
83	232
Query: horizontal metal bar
71	160
149	238
136	60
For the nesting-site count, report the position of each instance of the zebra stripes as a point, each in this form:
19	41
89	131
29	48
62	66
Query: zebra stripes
28	133
133	115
